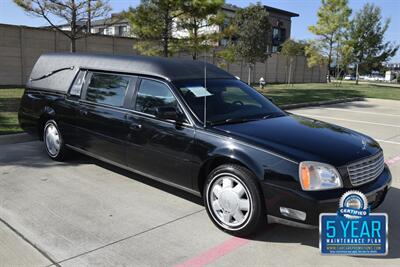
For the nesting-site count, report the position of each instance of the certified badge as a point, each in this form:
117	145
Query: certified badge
353	230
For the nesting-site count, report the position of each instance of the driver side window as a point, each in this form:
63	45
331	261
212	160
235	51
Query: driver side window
153	95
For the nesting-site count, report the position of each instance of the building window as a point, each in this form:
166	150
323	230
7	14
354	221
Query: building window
109	31
122	30
274	49
278	37
101	30
224	42
282	35
275	33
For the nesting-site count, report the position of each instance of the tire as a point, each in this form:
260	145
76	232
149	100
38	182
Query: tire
234	201
53	141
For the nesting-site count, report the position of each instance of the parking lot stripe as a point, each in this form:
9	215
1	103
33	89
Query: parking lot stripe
218	251
356	121
387	141
364	112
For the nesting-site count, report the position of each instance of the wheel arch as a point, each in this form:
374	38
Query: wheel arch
48	113
230	157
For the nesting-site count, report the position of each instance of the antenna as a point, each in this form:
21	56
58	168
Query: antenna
205	86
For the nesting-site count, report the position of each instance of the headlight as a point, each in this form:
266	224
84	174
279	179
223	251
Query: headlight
318	176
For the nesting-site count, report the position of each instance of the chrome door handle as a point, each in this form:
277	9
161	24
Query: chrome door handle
83	112
135	126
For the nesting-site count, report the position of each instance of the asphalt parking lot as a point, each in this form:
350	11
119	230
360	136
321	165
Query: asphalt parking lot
84	212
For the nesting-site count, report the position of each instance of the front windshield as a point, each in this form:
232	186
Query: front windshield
228	100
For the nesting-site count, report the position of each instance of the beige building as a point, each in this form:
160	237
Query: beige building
280	20
113	26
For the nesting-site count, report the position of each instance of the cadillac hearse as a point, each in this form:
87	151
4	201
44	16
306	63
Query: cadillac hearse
196	127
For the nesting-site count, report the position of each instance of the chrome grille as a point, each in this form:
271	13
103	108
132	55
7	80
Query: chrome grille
366	170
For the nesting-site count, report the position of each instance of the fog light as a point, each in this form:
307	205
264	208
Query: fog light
292	213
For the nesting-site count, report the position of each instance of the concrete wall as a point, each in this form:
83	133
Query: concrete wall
20	47
276	70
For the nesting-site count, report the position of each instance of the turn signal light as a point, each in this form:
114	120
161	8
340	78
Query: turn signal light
305	177
318	176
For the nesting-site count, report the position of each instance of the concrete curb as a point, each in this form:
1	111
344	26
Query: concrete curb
321	103
15	138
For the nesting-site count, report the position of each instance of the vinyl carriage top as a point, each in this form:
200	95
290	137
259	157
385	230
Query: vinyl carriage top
56	71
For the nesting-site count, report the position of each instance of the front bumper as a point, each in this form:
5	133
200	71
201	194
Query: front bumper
314	203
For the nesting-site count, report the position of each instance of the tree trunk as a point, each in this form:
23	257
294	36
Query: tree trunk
249	78
89	14
195	41
357	74
330	59
329	67
194	53
73	45
165	49
290	71
166	34
73	27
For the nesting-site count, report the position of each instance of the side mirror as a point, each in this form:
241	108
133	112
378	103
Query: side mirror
169	113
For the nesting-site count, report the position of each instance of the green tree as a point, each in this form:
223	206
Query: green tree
344	55
227	54
333	21
253	35
76	13
291	49
367	39
314	57
200	22
152	23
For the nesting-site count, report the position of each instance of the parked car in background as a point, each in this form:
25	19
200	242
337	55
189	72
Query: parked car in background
349	77
390	76
211	135
374	78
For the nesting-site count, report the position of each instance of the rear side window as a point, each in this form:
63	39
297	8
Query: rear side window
153	95
109	89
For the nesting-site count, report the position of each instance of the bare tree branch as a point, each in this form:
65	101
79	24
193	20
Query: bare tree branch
74	12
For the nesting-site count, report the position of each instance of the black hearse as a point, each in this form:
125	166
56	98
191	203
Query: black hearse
196	127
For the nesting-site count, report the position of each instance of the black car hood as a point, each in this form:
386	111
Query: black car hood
300	138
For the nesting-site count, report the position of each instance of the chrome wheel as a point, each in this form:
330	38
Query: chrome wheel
229	200
52	140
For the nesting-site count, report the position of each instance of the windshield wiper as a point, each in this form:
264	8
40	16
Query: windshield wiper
272	115
240	120
232	121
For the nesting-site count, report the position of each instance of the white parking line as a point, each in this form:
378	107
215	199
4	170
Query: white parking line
386	141
356	121
364	112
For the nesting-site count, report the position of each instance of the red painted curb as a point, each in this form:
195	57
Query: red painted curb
217	252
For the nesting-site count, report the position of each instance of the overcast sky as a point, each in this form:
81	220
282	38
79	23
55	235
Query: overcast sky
307	9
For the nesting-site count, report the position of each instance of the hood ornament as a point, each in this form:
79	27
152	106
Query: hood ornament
364	144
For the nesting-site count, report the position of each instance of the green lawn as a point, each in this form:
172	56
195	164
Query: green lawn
9	104
310	92
281	94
